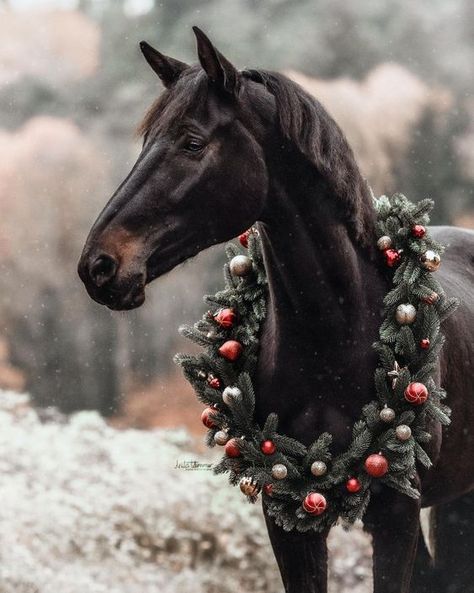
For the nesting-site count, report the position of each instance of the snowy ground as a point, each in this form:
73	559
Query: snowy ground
86	507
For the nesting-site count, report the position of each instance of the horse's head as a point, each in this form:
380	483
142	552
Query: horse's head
200	178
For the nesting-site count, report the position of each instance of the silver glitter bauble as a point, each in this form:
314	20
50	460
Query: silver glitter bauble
279	471
403	432
240	265
318	468
387	415
430	260
221	437
384	243
230	395
405	314
249	487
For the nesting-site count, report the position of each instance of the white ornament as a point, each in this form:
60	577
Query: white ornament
230	395
384	243
403	432
430	260
221	437
279	471
387	414
405	314
240	265
318	468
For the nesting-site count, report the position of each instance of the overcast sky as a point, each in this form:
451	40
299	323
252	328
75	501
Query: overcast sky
133	6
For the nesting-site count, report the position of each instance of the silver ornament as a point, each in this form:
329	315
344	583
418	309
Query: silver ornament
221	437
279	471
201	375
405	314
430	260
403	432
240	265
384	243
230	395
318	468
387	414
250	488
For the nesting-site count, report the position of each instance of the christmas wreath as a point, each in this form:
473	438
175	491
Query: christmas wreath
308	488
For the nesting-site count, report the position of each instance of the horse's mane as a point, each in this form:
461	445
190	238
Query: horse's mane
306	123
302	120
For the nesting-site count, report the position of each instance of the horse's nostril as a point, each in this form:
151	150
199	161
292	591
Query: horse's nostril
103	269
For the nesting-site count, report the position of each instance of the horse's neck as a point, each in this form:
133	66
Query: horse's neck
316	362
318	275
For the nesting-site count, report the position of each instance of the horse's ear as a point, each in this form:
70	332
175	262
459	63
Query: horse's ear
219	70
168	69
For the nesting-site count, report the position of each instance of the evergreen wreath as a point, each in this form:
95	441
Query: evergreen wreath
307	488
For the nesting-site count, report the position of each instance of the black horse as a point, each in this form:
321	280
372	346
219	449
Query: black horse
225	148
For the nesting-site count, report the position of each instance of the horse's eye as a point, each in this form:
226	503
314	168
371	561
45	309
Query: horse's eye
194	145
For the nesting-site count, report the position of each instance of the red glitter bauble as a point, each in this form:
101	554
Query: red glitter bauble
232	448
268	489
418	231
225	318
315	503
392	257
244	238
231	350
214	382
416	393
267	447
424	344
353	485
207	417
376	465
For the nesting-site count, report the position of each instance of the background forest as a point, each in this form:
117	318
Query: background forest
396	75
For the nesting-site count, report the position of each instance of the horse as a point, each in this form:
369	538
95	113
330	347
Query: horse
225	149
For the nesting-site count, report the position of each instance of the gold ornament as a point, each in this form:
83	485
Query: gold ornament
279	471
405	314
387	414
240	265
430	260
221	437
318	468
384	243
230	395
250	488
403	432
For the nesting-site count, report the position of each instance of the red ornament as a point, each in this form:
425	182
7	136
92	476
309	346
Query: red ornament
424	344
207	417
244	238
214	382
353	485
268	489
430	299
392	257
416	393
418	231
315	503
225	318
376	465
232	448
231	350
267	447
